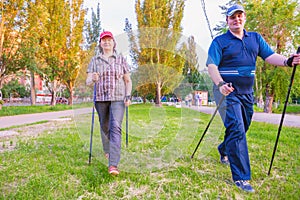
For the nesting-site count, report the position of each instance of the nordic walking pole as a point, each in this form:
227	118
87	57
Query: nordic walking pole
92	126
204	10
211	119
126	126
283	113
218	107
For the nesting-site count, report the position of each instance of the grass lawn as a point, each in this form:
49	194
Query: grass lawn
53	163
18	110
290	109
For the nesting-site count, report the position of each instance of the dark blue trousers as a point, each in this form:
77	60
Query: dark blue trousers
236	112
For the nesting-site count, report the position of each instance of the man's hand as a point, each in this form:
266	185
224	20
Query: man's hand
226	89
294	60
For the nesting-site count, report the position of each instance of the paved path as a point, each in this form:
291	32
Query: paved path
6	122
289	120
17	120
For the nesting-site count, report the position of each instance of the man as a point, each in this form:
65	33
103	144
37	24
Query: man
232	59
110	72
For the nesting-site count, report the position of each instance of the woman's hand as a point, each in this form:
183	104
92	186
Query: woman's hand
95	77
127	101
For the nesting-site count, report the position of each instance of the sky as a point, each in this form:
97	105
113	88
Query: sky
114	12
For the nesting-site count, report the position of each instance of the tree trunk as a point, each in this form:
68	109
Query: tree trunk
259	98
53	98
259	85
32	89
269	100
158	95
269	104
70	99
260	101
54	92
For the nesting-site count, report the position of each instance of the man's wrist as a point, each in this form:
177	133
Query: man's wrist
285	62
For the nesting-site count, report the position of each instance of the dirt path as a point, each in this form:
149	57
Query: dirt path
18	120
9	139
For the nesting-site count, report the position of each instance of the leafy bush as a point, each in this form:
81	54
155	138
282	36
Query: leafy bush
15	89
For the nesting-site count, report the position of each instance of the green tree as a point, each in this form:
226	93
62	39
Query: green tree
11	17
93	28
196	78
73	50
14	89
32	32
190	69
60	52
155	46
191	66
133	46
54	25
282	33
43	37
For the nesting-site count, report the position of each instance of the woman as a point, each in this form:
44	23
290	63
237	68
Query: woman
109	71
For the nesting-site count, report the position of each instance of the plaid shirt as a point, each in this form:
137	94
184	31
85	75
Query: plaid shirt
111	85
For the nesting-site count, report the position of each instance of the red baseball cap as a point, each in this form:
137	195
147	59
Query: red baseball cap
106	34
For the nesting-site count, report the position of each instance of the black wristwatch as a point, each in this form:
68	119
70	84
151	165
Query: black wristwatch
221	83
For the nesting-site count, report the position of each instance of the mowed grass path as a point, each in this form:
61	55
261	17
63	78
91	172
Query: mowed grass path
155	165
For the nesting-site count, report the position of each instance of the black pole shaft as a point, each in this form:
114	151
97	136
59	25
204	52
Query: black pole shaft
91	137
211	119
92	125
283	114
126	126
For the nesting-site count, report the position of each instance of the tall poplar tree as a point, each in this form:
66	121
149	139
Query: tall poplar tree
11	16
191	63
60	42
155	45
73	48
93	28
32	31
